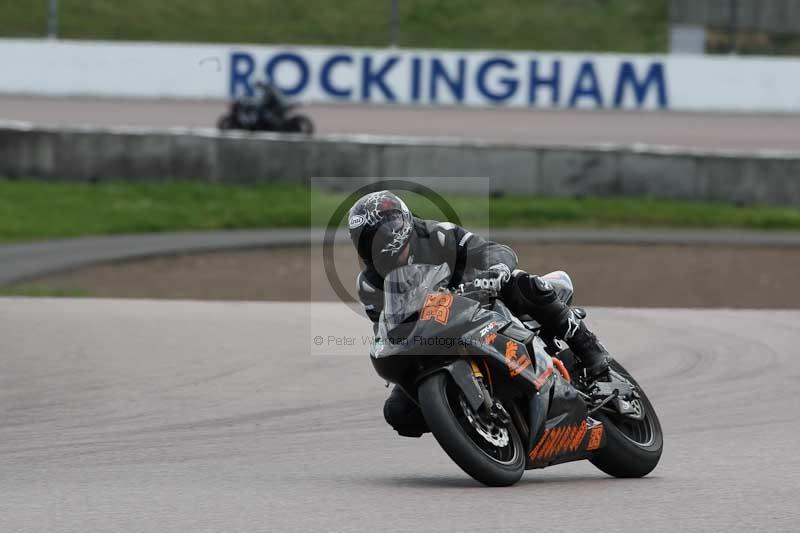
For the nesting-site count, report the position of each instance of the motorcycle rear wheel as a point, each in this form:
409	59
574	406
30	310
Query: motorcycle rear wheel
633	448
226	122
300	124
491	454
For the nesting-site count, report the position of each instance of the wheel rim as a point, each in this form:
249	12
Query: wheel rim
640	432
490	436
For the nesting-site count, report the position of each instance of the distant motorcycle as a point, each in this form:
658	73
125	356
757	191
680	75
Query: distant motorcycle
267	111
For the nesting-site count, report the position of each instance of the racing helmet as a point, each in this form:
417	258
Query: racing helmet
381	227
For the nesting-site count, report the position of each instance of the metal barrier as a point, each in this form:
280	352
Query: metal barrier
138	154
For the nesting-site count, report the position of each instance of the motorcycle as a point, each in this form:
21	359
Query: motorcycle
248	113
500	396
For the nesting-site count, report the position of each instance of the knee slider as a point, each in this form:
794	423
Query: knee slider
398	411
394	411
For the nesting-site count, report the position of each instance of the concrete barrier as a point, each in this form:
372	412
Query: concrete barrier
138	154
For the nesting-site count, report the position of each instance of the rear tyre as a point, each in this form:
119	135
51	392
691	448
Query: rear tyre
225	122
633	448
491	453
300	124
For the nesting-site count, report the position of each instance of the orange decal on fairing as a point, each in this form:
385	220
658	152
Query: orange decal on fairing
511	349
595	438
516	362
559	441
437	307
490	338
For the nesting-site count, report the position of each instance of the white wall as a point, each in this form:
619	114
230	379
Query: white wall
407	76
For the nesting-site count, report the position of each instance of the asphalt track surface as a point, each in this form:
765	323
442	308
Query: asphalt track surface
742	132
185	416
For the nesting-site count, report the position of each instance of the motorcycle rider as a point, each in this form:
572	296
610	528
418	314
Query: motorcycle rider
386	235
270	102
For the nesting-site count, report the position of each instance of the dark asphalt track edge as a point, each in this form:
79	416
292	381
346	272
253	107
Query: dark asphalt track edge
19	262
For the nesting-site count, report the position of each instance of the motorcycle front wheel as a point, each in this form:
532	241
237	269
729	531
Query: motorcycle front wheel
485	447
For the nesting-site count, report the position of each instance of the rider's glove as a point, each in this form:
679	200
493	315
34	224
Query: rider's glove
492	279
502	268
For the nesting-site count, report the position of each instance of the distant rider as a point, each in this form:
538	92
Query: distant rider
270	102
386	235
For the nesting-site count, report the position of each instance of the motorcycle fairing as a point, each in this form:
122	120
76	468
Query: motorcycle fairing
567	442
554	409
568	434
515	352
399	354
559	429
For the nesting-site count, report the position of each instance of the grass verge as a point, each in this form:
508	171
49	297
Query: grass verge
583	25
34	210
41	291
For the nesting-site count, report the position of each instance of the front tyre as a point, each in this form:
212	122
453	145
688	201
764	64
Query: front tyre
486	448
633	447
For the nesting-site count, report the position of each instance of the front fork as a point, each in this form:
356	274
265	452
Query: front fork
495	410
488	401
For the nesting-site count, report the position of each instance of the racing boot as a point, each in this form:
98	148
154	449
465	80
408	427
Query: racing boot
592	355
403	414
536	296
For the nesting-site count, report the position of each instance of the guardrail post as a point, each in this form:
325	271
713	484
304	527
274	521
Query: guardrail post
52	19
394	22
734	27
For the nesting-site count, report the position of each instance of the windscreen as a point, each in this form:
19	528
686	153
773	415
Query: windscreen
405	289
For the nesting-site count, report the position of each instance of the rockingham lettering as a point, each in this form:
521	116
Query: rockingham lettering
455	78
